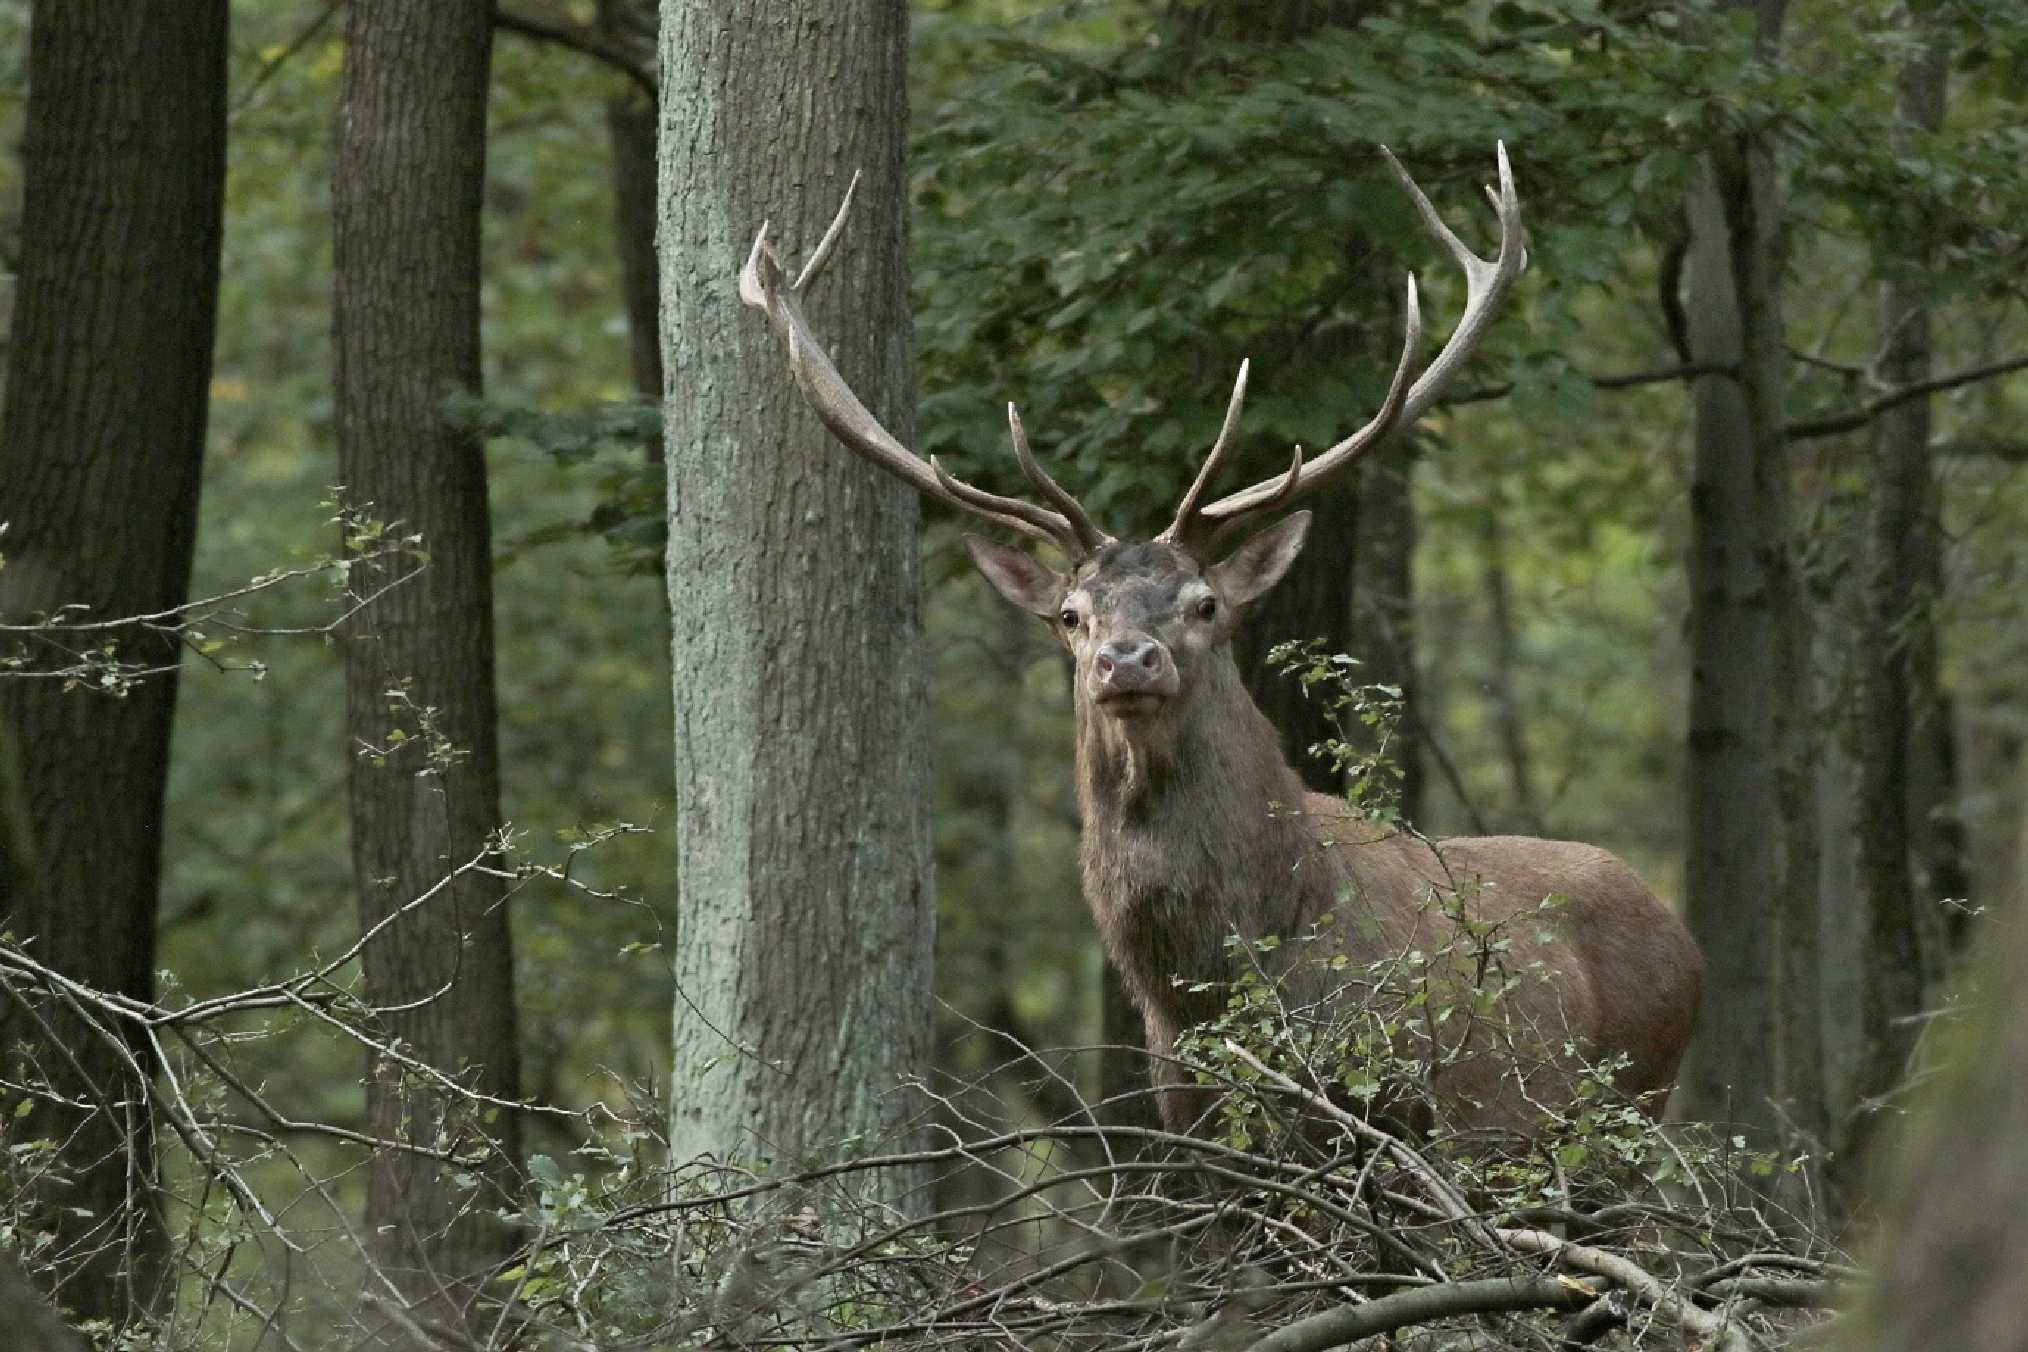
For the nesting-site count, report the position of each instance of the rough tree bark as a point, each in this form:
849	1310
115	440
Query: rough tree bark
100	447
807	920
405	201
1750	817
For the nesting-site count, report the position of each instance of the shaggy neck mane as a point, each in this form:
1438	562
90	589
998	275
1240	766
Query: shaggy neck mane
1193	829
1214	745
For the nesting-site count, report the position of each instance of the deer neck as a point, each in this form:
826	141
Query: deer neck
1193	831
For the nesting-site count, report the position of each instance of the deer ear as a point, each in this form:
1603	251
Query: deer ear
1016	575
1250	571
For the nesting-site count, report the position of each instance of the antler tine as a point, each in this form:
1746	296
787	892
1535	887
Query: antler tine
1487	283
822	255
1089	536
1186	520
1277	493
763	284
1010	511
1273	493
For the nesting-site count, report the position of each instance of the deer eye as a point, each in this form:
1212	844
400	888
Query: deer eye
1207	608
1068	618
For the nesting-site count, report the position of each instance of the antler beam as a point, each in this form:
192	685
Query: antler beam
763	284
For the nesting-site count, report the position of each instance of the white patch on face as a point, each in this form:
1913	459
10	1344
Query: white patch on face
1198	631
1078	601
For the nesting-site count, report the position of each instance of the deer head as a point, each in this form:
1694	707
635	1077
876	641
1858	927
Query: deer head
1142	620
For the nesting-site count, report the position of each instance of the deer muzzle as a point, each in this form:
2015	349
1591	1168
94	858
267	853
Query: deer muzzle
1132	674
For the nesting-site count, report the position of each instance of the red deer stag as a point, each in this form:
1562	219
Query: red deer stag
1195	828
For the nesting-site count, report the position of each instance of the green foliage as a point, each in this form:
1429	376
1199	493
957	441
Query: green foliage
1363	753
613	449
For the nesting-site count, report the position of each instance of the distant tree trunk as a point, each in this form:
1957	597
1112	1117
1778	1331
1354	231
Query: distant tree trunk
1838	539
1314	601
101	444
1506	700
807	917
630	130
1353	586
1898	574
1942	854
1383	612
405	202
1744	820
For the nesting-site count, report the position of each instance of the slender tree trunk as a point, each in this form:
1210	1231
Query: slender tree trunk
1744	621
1506	701
1837	544
101	444
1898	567
807	925
406	198
630	131
1942	864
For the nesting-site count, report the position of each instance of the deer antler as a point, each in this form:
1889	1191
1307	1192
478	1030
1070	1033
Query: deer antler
763	284
1486	286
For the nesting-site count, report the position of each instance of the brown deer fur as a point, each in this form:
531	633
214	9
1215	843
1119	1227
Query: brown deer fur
1196	830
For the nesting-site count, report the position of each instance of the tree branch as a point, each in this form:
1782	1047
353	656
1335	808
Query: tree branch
1832	424
287	53
1422	1304
1977	447
584	41
1803	429
1619	381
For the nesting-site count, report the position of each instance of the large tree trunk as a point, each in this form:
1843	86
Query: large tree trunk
406	198
1898	569
807	919
1747	809
100	448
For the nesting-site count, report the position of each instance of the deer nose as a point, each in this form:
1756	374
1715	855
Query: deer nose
1126	664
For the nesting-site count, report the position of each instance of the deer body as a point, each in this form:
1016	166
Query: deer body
1196	830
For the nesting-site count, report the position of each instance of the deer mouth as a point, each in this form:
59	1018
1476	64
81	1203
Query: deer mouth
1130	703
